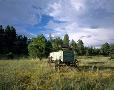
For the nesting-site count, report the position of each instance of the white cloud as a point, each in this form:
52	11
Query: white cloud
98	36
103	4
80	15
90	36
78	5
22	11
66	10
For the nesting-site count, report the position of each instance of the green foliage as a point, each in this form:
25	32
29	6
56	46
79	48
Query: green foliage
32	50
41	47
11	42
37	48
48	48
73	45
1	29
90	51
80	45
112	51
66	40
105	49
112	48
56	43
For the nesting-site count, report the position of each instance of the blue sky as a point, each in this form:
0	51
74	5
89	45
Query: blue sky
89	20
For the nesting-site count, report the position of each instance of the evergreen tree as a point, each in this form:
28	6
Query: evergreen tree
80	45
1	29
57	44
11	43
73	44
112	48
66	40
96	51
90	51
20	45
112	51
10	33
48	48
1	39
105	49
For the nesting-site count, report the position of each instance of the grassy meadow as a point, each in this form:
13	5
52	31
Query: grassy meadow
96	73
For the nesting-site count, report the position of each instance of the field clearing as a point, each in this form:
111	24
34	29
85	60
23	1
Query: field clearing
99	62
97	73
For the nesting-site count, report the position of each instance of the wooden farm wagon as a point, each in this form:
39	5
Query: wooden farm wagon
63	57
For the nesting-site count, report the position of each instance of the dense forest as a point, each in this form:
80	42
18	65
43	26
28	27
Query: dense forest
13	45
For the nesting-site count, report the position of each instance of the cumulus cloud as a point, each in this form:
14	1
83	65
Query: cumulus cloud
85	12
89	20
66	10
90	36
22	13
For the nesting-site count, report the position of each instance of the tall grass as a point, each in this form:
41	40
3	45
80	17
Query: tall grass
38	75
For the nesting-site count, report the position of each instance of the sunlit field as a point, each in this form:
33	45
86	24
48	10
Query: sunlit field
96	73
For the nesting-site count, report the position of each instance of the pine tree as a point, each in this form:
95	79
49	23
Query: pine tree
105	49
66	40
80	45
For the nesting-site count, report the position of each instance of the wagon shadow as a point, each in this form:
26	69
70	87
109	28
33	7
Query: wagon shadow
95	68
94	63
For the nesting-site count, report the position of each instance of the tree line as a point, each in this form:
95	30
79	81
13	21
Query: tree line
13	45
41	47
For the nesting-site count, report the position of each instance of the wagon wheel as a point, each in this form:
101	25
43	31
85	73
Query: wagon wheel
76	64
57	64
49	60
